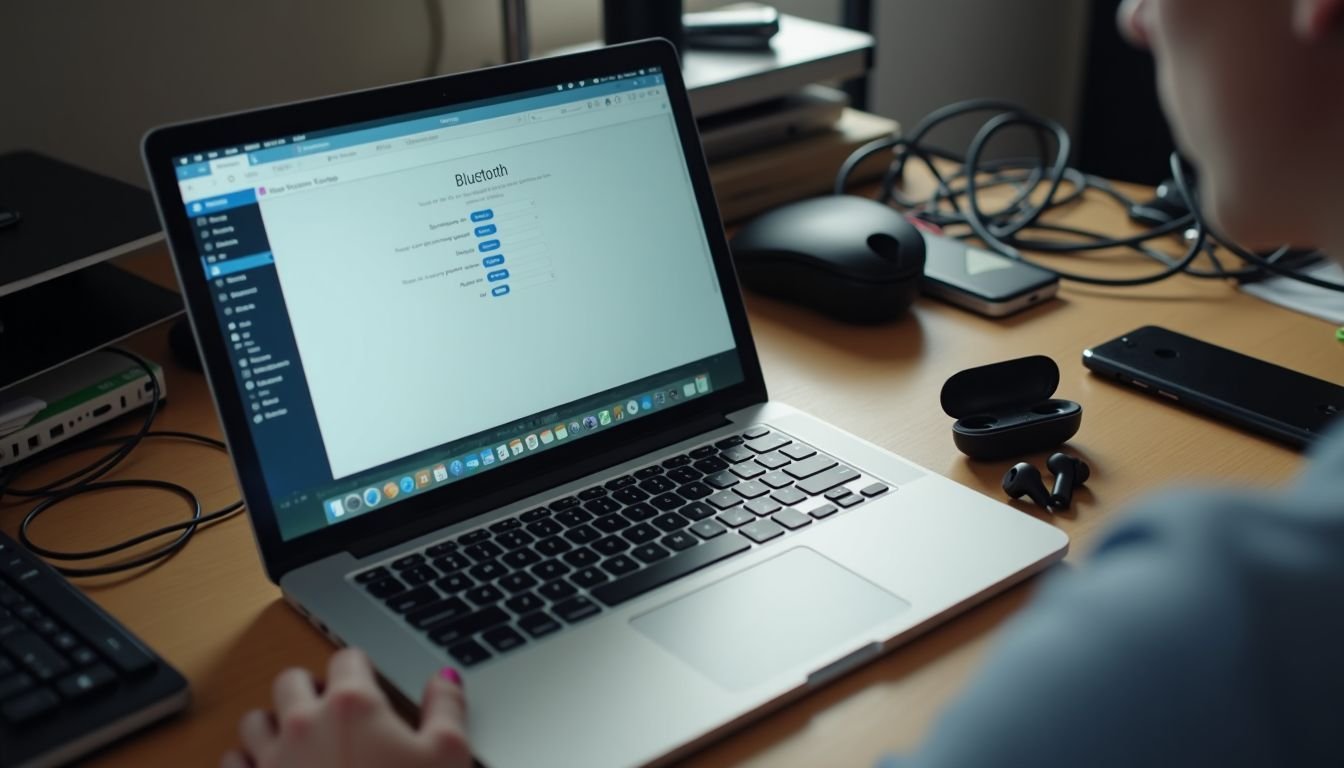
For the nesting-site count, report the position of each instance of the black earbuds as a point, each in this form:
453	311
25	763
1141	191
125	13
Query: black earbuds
1024	479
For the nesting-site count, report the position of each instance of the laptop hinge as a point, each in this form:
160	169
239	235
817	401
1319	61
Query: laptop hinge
541	483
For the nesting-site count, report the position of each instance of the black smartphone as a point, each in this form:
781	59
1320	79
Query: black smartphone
982	281
1251	393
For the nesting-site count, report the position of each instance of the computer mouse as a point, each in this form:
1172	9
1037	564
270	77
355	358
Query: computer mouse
849	257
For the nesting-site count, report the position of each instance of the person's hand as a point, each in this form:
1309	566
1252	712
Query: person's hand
349	722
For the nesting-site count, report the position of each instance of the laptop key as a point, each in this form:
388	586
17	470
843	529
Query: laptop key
538	624
721	480
768	443
521	558
507	524
576	609
789	496
412	598
837	493
512	539
809	467
640	534
557	589
777	480
482	551
588	494
420	574
403	563
763	507
517	582
544	527
876	489
474	537
441	549
670	569
710	465
572	517
611	523
827	480
761	531
648	472
617	483
650	553
438	611
792	519
850	500
728	442
550	547
468	654
667	501
684	475
581	557
708	529
503	638
679	540
751	489
454	583
676	461
824	511
582	534
560	505
670	522
638	513
737	455
724	500
696	510
588	577
657	485
772	460
385	587
704	451
550	569
760	430
487	571
734	518
525	602
373	574
798	451
533	515
621	564
486	594
451	562
602	505
611	545
630	495
748	470
695	490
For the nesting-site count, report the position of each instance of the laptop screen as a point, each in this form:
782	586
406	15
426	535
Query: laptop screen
413	301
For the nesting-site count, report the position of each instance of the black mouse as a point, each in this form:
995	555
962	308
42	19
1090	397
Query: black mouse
849	257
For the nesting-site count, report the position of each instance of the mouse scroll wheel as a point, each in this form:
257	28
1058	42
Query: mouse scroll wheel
885	246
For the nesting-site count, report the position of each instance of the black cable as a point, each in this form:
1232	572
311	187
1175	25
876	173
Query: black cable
86	480
1048	179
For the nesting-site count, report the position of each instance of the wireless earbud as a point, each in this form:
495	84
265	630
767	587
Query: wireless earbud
1070	472
1025	480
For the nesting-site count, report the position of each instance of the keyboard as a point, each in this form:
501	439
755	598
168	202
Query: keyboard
71	678
494	589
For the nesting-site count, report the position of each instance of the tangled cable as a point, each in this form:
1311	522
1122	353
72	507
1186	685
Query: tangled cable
87	480
956	201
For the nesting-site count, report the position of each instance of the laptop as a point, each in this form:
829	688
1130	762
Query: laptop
490	390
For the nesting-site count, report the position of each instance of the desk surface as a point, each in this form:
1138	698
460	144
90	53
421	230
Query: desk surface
212	613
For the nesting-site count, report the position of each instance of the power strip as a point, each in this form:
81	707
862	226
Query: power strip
49	409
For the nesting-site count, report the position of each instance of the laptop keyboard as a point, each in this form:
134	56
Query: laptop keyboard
494	589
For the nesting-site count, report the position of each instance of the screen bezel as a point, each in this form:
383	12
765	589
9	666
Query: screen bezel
443	506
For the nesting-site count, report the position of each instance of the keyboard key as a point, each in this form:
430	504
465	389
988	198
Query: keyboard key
550	569
737	455
728	442
544	527
30	705
734	518
385	587
484	595
482	551
640	534
650	553
657	485
725	500
488	571
521	558
711	465
809	467
553	546
667	501
474	537
876	489
798	451
679	541
669	569
824	511
850	500
64	641
637	513
588	577
524	603
557	590
438	612
408	561
588	494
371	575
503	638
602	505
708	529
721	480
507	524
768	443
560	505
631	495
454	583
837	493
14	684
676	461
420	574
538	624
451	562
581	557
611	523
670	522
763	507
751	489
582	534
695	490
684	475
34	654
611	545
789	496
79	684
777	480
412	599
759	430
512	539
617	483
572	517
468	654
576	609
82	656
533	515
696	510
826	480
704	451
761	531
648	472
792	519
620	564
772	460
748	470
517	582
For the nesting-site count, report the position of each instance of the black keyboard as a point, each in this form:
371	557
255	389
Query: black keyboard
71	678
494	589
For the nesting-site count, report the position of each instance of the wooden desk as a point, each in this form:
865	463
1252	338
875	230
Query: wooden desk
211	611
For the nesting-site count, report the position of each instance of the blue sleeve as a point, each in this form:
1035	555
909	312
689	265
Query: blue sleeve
1206	629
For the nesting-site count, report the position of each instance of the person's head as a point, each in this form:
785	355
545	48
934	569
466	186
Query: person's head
1254	90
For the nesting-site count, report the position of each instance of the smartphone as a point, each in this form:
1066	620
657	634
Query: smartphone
1250	393
982	281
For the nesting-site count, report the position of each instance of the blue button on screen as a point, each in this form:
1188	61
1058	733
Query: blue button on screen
492	261
500	290
485	215
489	245
497	275
486	229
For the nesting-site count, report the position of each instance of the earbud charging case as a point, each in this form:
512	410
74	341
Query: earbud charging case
1006	410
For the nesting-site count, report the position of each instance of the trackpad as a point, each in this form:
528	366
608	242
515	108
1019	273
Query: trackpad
770	618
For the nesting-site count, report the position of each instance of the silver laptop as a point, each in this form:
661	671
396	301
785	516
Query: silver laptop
490	389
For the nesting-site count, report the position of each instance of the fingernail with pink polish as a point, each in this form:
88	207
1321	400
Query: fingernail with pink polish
451	675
